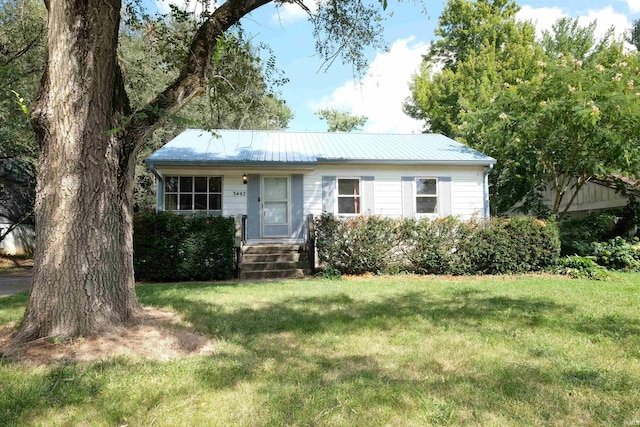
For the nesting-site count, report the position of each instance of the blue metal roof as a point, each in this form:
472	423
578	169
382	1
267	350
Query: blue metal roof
264	148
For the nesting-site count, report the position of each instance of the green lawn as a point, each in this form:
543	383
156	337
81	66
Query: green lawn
401	350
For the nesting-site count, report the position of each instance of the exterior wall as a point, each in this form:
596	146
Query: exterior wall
19	242
467	186
385	190
591	197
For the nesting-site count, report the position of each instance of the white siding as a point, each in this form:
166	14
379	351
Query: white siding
467	186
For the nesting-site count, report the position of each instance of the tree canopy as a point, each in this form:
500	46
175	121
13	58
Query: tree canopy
556	112
341	121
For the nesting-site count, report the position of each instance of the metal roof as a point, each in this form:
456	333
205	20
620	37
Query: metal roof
264	148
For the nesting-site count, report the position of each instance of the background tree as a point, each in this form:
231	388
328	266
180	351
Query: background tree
22	51
341	121
482	46
575	120
89	136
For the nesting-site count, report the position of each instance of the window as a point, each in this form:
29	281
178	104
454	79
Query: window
426	195
193	193
349	196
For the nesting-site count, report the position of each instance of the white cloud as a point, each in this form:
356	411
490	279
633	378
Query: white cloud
542	17
607	17
634	6
380	94
289	13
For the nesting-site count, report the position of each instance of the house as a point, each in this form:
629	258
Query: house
595	195
277	178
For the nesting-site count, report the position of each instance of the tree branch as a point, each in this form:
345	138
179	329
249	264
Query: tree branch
193	77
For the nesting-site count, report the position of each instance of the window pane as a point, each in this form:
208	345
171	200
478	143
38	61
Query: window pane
171	184
200	202
201	184
186	184
426	186
185	202
215	184
275	213
215	202
349	187
170	202
348	205
426	204
275	189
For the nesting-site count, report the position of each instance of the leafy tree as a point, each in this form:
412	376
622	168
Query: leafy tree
89	136
22	50
341	121
482	46
634	34
576	119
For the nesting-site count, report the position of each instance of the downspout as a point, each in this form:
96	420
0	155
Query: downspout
486	190
160	188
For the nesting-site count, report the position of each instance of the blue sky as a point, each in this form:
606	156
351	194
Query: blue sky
380	92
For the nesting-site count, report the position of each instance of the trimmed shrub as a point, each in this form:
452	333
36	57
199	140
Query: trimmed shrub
356	245
172	247
429	246
439	246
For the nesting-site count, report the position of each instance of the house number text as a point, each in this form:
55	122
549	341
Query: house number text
240	193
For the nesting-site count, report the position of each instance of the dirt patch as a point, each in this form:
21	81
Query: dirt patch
157	334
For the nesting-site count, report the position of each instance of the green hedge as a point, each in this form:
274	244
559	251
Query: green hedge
171	247
440	246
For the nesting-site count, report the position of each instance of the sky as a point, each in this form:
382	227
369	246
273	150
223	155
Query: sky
408	30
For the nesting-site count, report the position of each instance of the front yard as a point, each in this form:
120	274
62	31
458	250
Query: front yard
399	350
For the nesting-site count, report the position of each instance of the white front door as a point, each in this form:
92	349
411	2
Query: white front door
275	206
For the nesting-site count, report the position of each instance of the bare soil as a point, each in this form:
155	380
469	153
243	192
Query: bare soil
156	334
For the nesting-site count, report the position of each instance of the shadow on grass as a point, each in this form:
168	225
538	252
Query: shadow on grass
301	384
318	314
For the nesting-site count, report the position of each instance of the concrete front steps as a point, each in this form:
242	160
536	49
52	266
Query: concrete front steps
273	261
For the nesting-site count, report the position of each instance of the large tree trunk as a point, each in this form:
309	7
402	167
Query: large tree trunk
83	276
83	279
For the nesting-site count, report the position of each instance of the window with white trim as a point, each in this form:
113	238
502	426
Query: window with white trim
193	193
426	195
349	200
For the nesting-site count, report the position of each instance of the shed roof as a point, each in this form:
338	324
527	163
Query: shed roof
263	148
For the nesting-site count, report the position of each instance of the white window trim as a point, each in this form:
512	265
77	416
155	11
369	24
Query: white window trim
193	193
338	196
416	195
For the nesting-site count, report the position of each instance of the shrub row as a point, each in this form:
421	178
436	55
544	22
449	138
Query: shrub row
440	246
171	247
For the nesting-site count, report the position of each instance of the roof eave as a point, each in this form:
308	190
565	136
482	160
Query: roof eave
482	162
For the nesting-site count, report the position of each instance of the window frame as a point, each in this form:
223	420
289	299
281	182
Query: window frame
431	196
193	193
344	196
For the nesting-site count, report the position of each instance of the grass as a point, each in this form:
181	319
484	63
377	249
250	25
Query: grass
401	350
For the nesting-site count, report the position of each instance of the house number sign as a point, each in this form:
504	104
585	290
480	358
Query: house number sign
240	193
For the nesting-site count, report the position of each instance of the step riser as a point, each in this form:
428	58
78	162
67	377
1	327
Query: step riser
271	258
271	249
261	266
273	274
